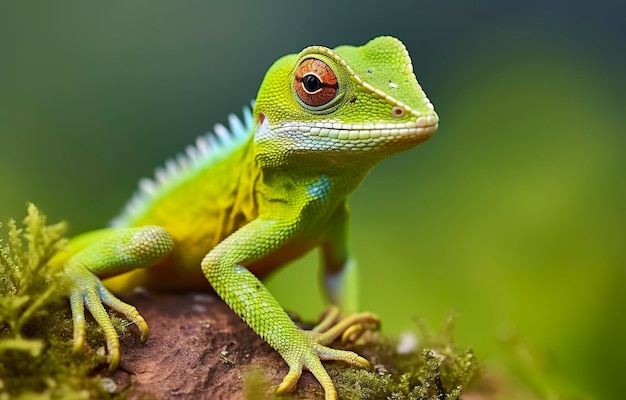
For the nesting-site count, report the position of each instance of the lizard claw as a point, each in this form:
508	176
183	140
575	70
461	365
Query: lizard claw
289	381
352	333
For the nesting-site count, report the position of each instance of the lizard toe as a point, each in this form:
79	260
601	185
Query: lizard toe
290	380
348	357
349	328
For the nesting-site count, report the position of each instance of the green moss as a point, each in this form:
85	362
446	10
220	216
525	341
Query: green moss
256	385
37	362
436	369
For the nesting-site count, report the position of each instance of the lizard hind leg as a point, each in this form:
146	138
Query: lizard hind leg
350	328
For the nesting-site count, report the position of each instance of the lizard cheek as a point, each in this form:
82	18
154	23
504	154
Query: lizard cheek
315	82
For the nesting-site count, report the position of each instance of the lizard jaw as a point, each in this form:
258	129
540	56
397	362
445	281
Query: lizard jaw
361	136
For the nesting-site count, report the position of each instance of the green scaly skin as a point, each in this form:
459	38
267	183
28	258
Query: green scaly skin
248	199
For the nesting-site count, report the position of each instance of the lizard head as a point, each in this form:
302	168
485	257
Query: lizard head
336	105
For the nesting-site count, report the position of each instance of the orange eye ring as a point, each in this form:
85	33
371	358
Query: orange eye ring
315	82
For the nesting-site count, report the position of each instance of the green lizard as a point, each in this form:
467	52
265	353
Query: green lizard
248	199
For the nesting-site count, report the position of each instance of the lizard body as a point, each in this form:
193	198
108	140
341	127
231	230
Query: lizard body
249	198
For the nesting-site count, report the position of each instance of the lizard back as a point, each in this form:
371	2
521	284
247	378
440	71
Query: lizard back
202	195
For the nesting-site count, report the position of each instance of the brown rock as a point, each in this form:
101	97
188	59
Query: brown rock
198	349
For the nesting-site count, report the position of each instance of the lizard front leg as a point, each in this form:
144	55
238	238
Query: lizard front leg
246	295
108	252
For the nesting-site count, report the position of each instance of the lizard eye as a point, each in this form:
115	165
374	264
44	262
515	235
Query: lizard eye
311	83
315	82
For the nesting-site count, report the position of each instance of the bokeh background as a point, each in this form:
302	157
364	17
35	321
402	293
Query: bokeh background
512	214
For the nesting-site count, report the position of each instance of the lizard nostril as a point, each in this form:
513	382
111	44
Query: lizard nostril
397	112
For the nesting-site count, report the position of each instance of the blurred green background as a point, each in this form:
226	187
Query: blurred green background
512	214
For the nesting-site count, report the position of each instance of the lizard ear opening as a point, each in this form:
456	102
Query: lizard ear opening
315	82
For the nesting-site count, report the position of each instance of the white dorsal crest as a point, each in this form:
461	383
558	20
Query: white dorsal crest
206	150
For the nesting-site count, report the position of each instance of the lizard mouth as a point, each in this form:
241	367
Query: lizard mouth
365	135
422	126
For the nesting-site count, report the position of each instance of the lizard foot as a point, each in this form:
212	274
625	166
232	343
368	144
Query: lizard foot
315	348
92	294
113	251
